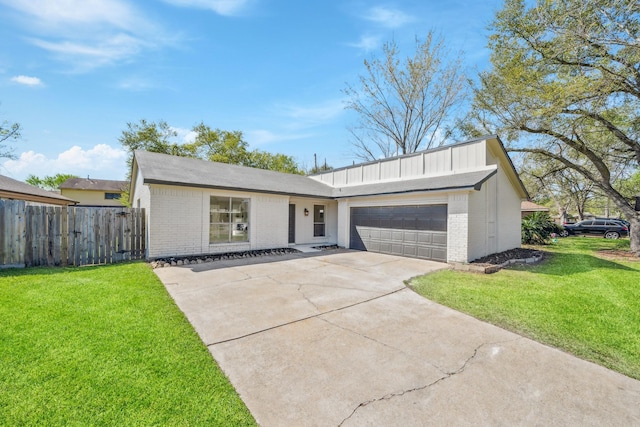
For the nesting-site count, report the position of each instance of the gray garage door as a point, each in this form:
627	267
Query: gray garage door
413	231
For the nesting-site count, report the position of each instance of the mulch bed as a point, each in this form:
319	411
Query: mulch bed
502	257
617	255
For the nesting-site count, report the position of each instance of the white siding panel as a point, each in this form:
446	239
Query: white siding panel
371	173
469	156
478	227
411	167
390	169
354	175
509	218
340	178
437	162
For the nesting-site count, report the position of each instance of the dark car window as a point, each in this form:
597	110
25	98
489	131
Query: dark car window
599	223
587	223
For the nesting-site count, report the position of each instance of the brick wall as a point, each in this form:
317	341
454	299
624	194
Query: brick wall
458	227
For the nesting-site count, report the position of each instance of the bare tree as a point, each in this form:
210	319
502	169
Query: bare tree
404	105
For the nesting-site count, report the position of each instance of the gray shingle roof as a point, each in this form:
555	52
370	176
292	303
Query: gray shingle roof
93	184
457	181
173	170
12	188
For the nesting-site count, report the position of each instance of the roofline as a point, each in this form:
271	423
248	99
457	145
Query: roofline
513	168
219	187
428	150
16	195
477	187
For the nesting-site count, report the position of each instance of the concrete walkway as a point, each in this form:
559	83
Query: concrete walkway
337	339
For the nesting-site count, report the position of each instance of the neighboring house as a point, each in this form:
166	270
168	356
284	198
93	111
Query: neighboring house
455	203
18	190
94	192
527	208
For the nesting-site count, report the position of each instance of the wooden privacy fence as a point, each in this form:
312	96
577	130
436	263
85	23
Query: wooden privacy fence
60	236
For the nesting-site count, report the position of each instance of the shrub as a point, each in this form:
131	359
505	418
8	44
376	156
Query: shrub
537	228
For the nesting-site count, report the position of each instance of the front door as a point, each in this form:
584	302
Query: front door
292	223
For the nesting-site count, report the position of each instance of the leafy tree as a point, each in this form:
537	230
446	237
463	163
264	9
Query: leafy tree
228	147
49	182
565	79
219	145
153	137
8	132
404	105
275	162
210	144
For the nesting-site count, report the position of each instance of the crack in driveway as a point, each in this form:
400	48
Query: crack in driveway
305	318
446	376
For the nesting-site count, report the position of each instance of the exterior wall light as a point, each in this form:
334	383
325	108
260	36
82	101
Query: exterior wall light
306	212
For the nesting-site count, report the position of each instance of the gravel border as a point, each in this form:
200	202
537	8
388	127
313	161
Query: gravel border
201	259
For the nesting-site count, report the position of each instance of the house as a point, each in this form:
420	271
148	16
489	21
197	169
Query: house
17	190
527	207
94	192
454	203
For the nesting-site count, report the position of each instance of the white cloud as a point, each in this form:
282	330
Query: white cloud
387	17
88	33
186	136
221	7
101	161
27	80
313	115
366	43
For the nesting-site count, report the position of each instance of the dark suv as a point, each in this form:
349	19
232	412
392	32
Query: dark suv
609	229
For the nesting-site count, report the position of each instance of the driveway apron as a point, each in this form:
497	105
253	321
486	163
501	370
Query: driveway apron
338	339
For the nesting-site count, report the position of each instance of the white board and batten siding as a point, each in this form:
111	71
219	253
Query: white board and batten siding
461	158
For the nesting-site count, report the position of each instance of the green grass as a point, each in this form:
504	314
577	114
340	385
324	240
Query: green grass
574	301
104	346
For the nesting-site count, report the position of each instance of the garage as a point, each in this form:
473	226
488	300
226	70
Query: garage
414	231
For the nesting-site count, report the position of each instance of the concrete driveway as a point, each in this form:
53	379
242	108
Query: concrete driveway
337	339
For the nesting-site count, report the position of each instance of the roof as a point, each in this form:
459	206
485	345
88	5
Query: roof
159	168
93	184
457	181
13	189
528	206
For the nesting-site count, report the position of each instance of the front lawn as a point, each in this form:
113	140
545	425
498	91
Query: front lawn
104	346
574	300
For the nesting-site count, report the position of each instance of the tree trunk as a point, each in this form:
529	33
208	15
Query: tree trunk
634	234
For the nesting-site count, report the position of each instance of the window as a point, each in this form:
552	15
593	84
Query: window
318	220
228	220
111	196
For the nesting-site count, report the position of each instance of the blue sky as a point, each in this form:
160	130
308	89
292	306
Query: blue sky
74	72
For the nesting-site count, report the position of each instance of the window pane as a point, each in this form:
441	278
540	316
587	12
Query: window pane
240	210
219	217
318	230
240	232
219	204
318	213
219	233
